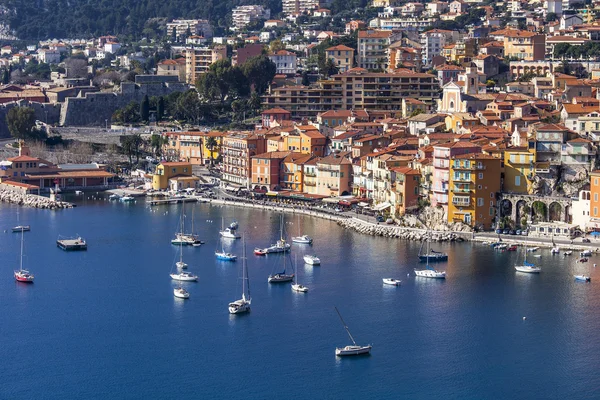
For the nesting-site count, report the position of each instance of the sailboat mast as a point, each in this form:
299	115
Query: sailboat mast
345	326
22	234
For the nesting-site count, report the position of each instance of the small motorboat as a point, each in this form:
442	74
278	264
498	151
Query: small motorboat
234	225
181	293
127	199
528	268
78	192
583	260
586	253
225	256
512	248
533	249
583	278
304	239
568	253
501	247
21	228
296	287
391	281
184	276
114	197
555	250
312	260
537	255
430	273
260	252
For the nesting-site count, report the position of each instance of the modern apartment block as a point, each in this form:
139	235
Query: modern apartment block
299	6
199	59
244	15
191	27
372	49
353	90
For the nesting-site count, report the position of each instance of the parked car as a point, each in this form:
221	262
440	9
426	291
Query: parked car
513	232
506	232
524	232
518	232
498	231
380	218
585	240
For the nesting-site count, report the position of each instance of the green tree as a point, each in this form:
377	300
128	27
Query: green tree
160	108
550	17
276	45
254	103
157	142
130	114
21	124
259	71
5	76
131	146
417	112
145	109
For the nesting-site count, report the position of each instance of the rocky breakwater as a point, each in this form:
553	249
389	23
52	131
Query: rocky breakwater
32	200
399	232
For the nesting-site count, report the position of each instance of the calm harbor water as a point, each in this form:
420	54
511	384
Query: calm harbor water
104	323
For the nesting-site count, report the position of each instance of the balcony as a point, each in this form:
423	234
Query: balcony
310	174
461	201
471	167
461	190
462	178
308	183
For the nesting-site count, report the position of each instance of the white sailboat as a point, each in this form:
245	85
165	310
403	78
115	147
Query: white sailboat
297	287
281	246
19	227
312	259
186	239
242	305
351	350
429	272
182	275
23	275
282	276
181	293
391	281
301	239
527	267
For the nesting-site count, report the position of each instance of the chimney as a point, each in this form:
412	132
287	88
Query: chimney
23	149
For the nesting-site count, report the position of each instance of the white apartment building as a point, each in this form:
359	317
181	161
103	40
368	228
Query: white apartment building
432	43
193	27
244	15
372	49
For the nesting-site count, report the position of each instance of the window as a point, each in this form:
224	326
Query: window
595	196
491	195
258	161
491	211
480	202
517	181
595	211
479	187
480	176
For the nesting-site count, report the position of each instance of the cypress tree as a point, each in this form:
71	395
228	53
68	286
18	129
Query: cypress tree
145	109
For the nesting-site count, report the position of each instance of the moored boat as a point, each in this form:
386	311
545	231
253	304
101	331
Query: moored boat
260	252
71	244
21	228
304	239
350	350
184	276
429	272
527	267
586	253
225	256
512	248
297	287
312	259
230	232
532	249
127	199
391	281
282	276
568	253
242	305
583	278
181	293
555	250
23	275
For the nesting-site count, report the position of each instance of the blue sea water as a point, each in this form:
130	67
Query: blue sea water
104	323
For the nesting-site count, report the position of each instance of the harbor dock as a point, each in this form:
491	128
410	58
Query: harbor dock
71	244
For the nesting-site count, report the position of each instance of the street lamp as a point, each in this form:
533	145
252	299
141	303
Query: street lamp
106	124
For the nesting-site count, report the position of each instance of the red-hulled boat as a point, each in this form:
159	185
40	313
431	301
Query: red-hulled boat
512	248
260	252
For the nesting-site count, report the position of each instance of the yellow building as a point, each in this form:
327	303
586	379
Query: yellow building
194	147
168	171
342	56
456	121
474	182
519	170
524	45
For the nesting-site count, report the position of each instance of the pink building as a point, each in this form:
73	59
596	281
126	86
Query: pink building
442	156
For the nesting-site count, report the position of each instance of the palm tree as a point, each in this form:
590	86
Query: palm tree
211	145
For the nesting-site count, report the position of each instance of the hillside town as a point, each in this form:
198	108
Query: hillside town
487	112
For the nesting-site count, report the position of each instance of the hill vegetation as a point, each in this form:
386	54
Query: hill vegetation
42	19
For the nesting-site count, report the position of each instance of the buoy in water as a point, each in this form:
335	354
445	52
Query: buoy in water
524	318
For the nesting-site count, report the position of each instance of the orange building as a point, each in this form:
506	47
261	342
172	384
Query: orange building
192	146
266	170
292	171
237	151
595	196
407	182
474	183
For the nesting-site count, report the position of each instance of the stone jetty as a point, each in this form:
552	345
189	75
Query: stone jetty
394	231
32	200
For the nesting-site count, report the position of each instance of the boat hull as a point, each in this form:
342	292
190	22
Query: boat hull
299	288
280	278
302	240
23	277
21	228
392	282
225	257
182	294
434	258
582	278
184	278
352	351
528	270
239	307
427	273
